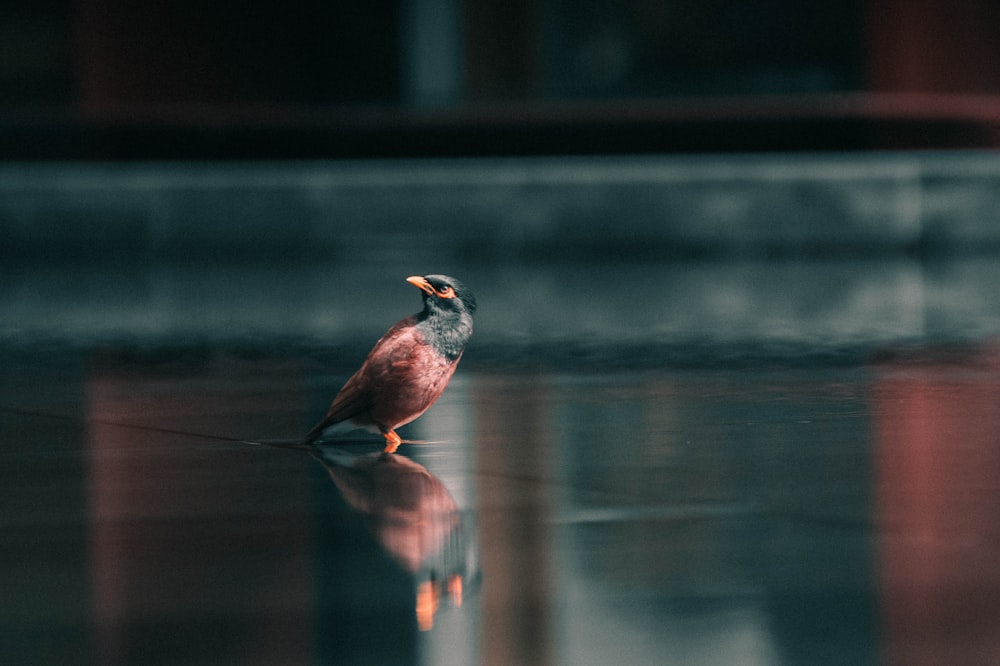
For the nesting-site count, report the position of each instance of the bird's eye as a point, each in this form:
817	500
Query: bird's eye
446	292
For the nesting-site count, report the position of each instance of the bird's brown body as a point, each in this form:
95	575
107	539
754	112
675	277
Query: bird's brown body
408	368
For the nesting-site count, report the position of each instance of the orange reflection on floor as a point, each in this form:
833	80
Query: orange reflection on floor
937	494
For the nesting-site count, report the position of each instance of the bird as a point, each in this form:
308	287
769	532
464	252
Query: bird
408	368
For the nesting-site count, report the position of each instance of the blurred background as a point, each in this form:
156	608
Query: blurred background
571	115
112	79
731	396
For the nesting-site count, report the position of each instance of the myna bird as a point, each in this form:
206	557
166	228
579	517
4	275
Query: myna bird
408	368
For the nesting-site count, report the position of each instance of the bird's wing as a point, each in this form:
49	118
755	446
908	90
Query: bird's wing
350	401
355	396
394	352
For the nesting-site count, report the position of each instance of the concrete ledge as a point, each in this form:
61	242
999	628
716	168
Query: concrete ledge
600	207
564	309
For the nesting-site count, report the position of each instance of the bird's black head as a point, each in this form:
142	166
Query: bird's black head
444	294
446	319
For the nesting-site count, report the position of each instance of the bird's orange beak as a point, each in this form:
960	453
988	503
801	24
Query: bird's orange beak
420	283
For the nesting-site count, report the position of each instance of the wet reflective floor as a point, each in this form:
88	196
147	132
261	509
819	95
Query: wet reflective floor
580	495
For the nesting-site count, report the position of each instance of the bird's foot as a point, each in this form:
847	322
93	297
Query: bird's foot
392	441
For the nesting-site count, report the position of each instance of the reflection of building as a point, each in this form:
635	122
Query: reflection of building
190	554
698	518
723	513
513	450
937	454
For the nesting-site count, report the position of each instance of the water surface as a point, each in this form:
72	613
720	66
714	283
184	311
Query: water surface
701	468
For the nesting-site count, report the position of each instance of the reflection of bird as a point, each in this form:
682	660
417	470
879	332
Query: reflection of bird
413	517
408	368
411	512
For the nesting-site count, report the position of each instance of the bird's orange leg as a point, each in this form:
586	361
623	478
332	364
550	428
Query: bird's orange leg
427	605
392	441
455	590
